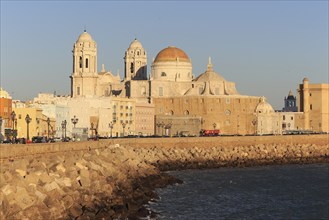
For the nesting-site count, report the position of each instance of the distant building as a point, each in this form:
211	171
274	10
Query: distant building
290	103
313	101
5	112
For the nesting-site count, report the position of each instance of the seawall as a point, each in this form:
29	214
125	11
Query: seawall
113	178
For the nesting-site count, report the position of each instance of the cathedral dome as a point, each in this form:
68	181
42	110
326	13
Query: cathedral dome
135	44
210	75
264	107
171	54
85	37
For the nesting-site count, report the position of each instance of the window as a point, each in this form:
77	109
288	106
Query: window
80	62
284	117
292	118
78	90
186	112
163	74
131	67
311	107
138	53
86	62
19	116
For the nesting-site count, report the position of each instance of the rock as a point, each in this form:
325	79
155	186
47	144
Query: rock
22	173
51	186
23	199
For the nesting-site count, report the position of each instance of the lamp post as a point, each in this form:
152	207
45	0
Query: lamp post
111	127
123	127
214	125
48	123
254	122
28	120
13	116
74	120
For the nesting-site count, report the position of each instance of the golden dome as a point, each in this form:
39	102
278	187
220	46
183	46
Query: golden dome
171	54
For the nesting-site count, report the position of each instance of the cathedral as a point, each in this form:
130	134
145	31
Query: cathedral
183	104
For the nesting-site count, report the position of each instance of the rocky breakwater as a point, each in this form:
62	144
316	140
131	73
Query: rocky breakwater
112	179
235	151
107	183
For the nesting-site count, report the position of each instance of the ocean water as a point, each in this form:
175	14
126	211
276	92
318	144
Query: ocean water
266	192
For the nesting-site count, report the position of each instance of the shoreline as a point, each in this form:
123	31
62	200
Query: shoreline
143	212
95	180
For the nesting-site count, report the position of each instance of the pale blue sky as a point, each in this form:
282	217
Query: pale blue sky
266	48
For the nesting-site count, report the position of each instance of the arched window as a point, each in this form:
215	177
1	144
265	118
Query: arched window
138	53
80	62
163	74
86	62
131	67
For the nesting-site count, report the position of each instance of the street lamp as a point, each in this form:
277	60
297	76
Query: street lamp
13	116
74	120
111	127
28	120
48	123
214	125
123	126
254	122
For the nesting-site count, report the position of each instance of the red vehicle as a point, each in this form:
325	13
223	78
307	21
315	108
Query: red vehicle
209	132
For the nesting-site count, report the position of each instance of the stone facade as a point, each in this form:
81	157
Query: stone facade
144	123
5	114
313	102
38	125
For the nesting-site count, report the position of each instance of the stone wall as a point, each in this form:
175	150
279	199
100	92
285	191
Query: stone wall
113	178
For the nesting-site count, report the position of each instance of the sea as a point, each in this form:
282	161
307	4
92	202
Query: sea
264	192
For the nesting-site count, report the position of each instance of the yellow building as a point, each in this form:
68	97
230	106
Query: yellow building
38	125
313	102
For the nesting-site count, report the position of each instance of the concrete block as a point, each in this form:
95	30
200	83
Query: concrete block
51	186
66	182
23	199
61	167
20	172
40	195
45	178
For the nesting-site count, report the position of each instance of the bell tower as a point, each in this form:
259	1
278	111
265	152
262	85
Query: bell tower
135	62
84	76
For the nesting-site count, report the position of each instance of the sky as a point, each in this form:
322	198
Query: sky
265	47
